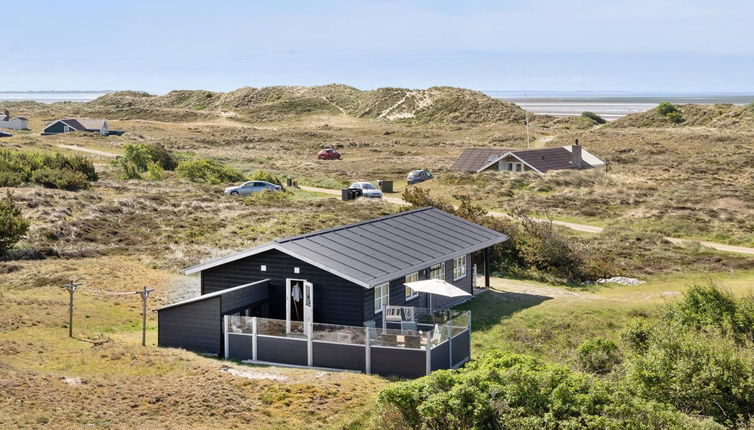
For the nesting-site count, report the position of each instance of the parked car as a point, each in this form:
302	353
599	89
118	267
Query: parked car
416	176
328	154
248	188
367	189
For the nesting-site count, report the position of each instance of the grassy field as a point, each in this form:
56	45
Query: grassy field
120	235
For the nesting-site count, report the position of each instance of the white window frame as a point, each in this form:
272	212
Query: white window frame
411	294
381	296
459	267
442	271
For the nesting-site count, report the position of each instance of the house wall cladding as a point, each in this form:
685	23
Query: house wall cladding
194	326
234	300
336	300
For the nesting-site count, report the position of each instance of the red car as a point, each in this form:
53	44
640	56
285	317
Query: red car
328	154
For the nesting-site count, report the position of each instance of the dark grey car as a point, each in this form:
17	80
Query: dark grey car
416	176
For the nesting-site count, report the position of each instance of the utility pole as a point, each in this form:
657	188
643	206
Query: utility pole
526	109
144	296
71	287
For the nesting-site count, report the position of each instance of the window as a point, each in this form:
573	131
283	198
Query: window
459	267
411	294
381	296
263	268
437	271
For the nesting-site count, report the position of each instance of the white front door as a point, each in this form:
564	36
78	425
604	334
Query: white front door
308	306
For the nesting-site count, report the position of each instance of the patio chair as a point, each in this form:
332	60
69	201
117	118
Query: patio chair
393	314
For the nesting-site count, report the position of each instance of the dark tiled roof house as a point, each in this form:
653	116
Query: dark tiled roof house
522	160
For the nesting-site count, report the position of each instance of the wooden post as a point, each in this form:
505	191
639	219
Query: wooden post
71	288
144	296
487	267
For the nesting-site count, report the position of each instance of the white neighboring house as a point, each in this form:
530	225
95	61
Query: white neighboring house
67	125
15	123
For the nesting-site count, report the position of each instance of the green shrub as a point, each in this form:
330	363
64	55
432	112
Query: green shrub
675	117
712	309
17	167
155	172
598	355
750	108
593	117
698	357
10	178
12	224
666	108
698	374
504	390
138	157
208	171
64	179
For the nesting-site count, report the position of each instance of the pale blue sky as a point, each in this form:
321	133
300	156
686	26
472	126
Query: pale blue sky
153	45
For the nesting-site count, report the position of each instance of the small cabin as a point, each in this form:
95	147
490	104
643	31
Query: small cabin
68	125
14	123
343	279
539	161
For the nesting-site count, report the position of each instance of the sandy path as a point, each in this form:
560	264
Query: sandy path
573	226
88	150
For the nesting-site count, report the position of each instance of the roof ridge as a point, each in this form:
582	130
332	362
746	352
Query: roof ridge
344	227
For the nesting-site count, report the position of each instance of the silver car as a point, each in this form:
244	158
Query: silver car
248	188
367	189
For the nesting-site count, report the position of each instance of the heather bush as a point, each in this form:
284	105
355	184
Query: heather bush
593	117
52	170
208	171
510	391
12	224
598	355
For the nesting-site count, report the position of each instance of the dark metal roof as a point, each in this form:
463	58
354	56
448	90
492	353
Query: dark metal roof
379	250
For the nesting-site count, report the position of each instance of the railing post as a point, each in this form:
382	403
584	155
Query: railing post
225	336
254	338
429	352
309	346
367	353
450	343
384	320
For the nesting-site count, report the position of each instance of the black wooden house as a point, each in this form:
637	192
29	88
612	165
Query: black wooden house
344	275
